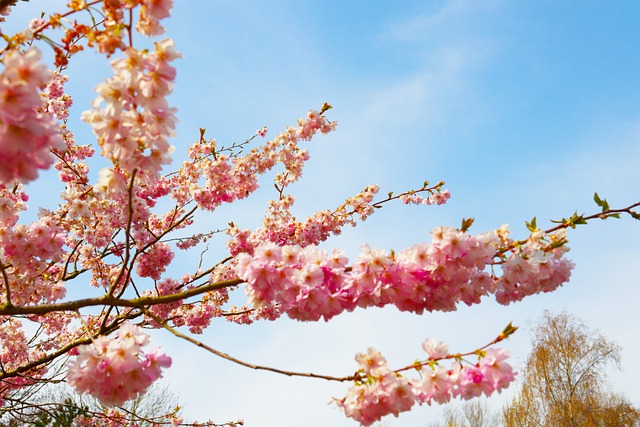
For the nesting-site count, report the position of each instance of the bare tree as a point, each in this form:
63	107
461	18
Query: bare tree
58	406
474	413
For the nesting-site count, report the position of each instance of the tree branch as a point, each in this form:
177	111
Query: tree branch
246	364
107	300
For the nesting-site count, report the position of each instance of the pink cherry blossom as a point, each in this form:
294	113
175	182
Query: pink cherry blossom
115	369
435	349
123	212
379	391
26	134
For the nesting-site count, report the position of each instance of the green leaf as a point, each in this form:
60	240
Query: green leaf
578	219
466	223
597	199
532	226
601	202
508	331
556	244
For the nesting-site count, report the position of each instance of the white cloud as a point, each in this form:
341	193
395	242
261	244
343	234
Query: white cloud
452	18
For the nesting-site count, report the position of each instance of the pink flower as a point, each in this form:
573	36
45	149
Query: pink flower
26	134
372	362
435	349
379	391
473	383
115	369
495	368
154	261
435	384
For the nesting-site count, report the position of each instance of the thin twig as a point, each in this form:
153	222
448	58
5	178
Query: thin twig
246	364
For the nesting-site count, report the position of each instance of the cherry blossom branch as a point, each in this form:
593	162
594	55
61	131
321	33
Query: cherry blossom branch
209	270
506	333
575	220
391	196
195	236
64	349
169	229
130	27
63	276
606	213
68	165
237	313
44	26
380	391
215	151
109	300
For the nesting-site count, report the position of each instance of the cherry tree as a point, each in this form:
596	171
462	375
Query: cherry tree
126	210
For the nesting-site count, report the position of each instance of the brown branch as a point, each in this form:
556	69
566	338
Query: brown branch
246	364
107	300
570	223
66	264
602	215
5	3
7	291
391	197
458	356
170	228
127	249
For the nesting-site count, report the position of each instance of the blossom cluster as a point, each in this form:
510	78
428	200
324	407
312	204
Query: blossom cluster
57	102
215	176
28	250
281	227
26	133
115	369
379	391
151	12
438	198
15	351
154	262
135	121
539	267
309	284
108	36
195	316
115	233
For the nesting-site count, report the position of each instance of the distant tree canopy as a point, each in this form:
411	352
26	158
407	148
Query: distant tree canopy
59	406
563	383
474	413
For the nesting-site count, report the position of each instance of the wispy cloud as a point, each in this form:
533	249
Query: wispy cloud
450	18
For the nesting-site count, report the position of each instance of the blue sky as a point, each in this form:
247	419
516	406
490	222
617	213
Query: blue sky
524	108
